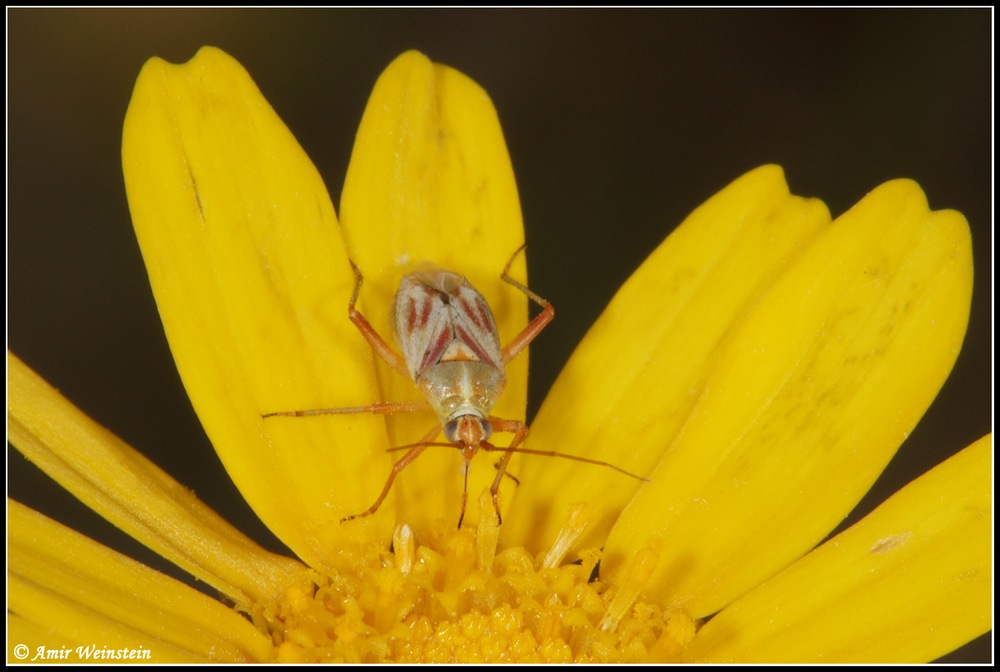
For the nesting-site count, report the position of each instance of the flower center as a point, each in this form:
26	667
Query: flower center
456	599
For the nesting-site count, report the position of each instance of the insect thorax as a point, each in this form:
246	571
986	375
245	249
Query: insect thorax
462	388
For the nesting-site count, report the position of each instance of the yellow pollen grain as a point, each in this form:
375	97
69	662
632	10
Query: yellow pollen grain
450	599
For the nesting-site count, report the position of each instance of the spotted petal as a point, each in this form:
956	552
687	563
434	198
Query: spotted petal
908	583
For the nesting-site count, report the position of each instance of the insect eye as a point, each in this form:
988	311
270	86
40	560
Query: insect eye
451	431
451	428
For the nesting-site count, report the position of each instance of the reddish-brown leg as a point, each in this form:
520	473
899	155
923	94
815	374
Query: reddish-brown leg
400	464
384	350
528	334
380	408
517	481
520	431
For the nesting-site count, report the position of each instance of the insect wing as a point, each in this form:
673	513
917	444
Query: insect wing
422	324
475	330
440	317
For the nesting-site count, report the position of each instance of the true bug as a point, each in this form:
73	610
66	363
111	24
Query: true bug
451	350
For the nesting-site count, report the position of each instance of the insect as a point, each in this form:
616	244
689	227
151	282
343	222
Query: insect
451	350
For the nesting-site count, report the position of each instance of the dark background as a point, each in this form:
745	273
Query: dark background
618	123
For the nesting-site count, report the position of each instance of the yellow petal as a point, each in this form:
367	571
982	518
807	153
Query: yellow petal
810	397
430	180
909	583
636	376
68	591
134	494
252	282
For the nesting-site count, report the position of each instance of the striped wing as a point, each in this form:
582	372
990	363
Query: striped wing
437	316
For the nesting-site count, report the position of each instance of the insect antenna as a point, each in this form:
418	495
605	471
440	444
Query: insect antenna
552	453
465	470
421	443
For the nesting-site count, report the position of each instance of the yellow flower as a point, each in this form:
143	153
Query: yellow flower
761	367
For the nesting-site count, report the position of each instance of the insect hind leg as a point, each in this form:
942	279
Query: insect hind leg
528	334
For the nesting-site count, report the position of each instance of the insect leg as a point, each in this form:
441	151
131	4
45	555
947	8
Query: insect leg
412	454
528	334
380	408
520	431
384	350
517	481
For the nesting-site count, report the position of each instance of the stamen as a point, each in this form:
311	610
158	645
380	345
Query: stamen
632	580
431	604
487	533
589	557
679	631
576	524
461	553
403	545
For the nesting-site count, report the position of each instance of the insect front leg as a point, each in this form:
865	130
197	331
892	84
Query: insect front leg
520	431
517	481
528	334
412	454
384	350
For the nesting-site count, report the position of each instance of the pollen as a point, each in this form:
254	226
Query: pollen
457	598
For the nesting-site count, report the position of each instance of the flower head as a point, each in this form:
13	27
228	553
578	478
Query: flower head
761	367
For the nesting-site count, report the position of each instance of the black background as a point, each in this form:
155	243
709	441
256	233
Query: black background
618	123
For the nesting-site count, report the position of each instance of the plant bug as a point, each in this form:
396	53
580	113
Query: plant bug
451	351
